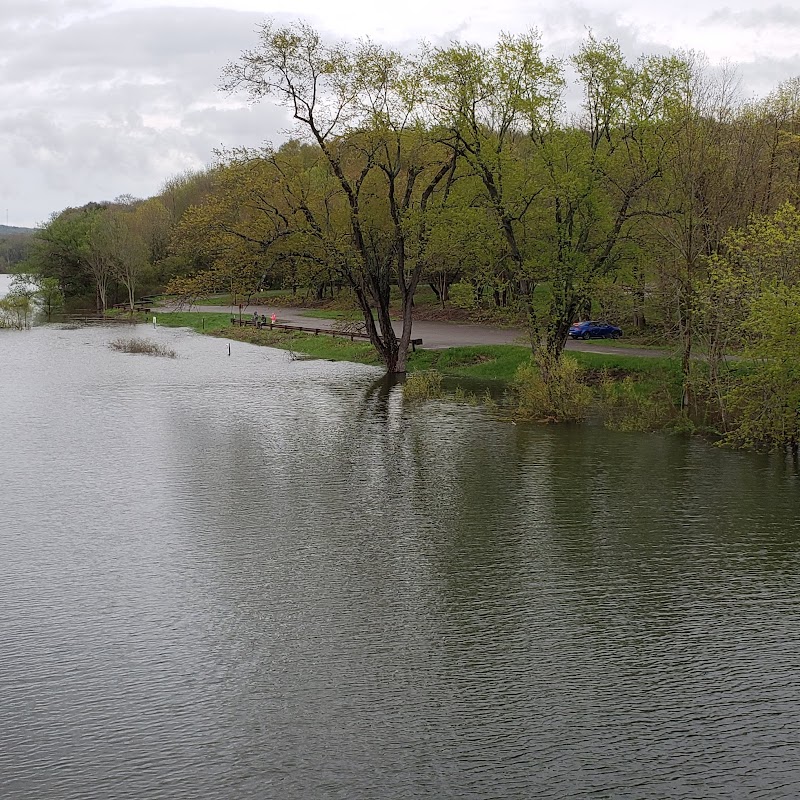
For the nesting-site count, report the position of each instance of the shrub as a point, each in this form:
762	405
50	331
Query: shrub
145	346
460	395
462	295
550	391
765	401
426	385
630	405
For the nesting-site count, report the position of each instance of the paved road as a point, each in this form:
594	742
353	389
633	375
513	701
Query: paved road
436	335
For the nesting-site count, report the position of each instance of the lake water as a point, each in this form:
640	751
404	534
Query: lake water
247	576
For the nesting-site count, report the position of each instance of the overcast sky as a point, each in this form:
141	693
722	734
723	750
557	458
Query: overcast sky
100	98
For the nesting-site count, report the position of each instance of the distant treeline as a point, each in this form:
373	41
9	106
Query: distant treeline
14	246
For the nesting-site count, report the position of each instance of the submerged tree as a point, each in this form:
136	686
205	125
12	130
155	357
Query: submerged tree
17	306
359	105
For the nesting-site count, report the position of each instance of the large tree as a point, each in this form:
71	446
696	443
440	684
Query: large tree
360	105
599	173
707	187
232	235
59	248
486	104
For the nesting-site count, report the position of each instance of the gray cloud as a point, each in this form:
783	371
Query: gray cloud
95	103
163	43
765	75
43	13
117	103
756	17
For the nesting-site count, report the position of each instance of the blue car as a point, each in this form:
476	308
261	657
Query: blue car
594	330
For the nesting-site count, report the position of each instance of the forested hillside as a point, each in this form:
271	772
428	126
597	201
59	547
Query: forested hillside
11	230
14	246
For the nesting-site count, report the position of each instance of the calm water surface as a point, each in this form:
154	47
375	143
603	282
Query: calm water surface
252	577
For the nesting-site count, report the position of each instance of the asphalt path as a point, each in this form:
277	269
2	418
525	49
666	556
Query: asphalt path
434	335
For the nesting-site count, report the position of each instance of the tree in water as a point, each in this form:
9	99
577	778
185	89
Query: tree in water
361	107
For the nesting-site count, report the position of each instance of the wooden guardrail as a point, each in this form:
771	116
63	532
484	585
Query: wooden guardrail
96	319
138	305
269	325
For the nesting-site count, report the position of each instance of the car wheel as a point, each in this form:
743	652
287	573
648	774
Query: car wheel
616	335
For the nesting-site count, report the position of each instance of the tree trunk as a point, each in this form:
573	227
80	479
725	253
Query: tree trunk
556	339
102	290
639	321
686	326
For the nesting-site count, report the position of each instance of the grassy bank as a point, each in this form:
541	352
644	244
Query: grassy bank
500	363
485	362
215	324
635	392
259	298
480	362
321	313
323	346
623	391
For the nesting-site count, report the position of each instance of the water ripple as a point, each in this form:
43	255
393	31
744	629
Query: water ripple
248	577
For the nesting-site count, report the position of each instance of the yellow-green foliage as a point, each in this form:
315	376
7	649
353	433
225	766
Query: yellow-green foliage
460	395
765	401
630	405
560	397
15	311
423	386
462	295
768	247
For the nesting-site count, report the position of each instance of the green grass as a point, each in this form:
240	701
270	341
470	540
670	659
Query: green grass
257	299
496	362
213	322
322	313
634	341
484	362
652	377
327	347
642	365
499	362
